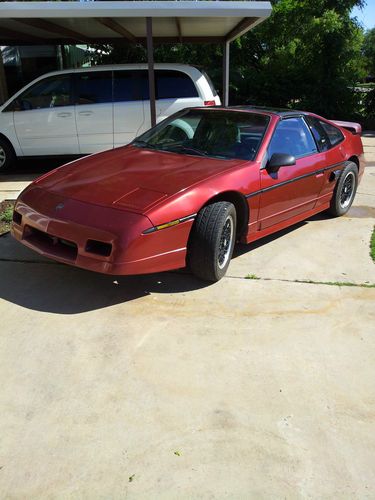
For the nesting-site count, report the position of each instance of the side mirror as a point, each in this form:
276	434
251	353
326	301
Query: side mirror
278	160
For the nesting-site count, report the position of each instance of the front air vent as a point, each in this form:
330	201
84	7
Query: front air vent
17	218
98	248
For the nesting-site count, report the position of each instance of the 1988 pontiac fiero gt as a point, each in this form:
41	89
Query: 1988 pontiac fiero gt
185	191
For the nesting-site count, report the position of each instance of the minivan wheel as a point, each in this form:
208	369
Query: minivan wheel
345	190
7	156
212	241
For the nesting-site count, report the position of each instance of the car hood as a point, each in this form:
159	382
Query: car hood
130	177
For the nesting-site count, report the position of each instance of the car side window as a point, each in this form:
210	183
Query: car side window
293	137
93	87
174	84
320	135
334	134
51	92
130	85
122	86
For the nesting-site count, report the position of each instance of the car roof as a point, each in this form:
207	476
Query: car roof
187	68
282	112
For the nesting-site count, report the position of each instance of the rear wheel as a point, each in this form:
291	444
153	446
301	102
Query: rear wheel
345	190
212	241
7	156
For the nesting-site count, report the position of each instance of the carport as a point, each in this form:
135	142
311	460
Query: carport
130	22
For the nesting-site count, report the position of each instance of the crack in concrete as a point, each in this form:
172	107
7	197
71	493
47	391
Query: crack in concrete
285	280
307	282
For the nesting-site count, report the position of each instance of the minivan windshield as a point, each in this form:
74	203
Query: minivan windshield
208	133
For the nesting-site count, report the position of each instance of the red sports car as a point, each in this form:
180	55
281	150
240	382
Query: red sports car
185	191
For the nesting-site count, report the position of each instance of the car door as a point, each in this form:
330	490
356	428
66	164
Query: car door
129	89
44	118
329	139
292	190
94	110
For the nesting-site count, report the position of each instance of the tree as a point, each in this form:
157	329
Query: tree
307	55
369	51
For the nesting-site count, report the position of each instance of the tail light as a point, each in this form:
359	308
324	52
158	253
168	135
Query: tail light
209	103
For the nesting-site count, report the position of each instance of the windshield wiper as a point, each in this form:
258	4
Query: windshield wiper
181	147
143	144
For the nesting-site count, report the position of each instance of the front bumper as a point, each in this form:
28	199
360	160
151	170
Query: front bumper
62	229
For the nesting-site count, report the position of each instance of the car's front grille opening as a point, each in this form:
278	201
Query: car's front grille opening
17	217
98	248
50	244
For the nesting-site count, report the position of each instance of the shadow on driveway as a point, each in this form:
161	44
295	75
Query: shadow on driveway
60	289
37	283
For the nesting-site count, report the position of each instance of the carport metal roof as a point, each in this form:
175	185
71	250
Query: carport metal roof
113	22
64	23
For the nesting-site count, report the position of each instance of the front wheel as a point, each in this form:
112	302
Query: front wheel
7	156
212	241
345	190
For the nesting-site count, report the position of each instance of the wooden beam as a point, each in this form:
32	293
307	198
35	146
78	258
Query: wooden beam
226	47
17	36
28	40
179	30
151	72
187	39
56	29
241	28
117	28
3	81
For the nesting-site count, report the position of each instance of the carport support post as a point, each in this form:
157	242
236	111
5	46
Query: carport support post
226	47
151	73
3	82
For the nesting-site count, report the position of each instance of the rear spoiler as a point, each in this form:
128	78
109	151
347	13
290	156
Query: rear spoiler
354	128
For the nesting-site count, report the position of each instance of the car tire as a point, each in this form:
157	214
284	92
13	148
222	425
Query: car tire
212	241
7	155
345	189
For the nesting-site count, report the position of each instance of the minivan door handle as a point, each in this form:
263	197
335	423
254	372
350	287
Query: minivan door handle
64	114
85	113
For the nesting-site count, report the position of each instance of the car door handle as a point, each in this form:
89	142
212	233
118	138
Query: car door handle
85	113
64	115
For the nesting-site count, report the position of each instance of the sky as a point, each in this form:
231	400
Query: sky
366	16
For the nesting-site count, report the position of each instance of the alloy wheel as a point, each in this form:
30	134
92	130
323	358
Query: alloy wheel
226	239
2	157
347	191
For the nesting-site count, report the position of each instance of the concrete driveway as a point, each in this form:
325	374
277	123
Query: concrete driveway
162	387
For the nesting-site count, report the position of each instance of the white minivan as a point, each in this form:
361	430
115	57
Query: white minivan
83	111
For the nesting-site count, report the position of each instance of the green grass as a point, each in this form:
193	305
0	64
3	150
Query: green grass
372	245
6	215
313	282
337	283
252	277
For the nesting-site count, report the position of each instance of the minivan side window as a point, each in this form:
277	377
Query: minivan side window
51	92
133	85
130	85
93	87
292	136
174	84
123	86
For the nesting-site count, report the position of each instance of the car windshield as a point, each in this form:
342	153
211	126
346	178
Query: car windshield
208	133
